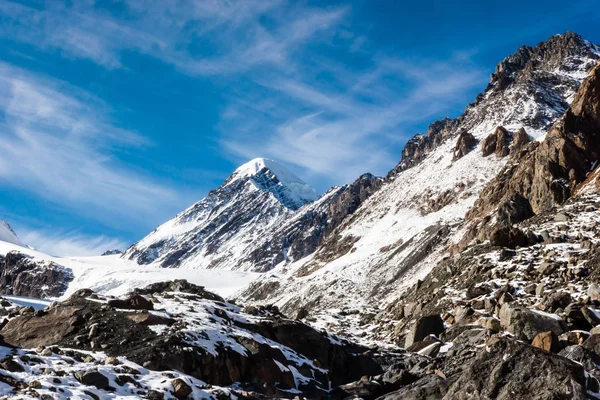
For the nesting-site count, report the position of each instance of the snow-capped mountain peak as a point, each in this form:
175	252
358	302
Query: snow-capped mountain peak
220	229
7	234
270	176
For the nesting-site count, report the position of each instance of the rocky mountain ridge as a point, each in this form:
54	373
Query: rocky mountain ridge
252	222
403	230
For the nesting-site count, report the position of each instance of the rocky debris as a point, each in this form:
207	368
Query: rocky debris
204	338
497	143
465	144
178	285
21	275
547	173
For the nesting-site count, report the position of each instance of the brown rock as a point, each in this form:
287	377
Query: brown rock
134	302
181	390
497	142
465	143
520	139
32	331
546	341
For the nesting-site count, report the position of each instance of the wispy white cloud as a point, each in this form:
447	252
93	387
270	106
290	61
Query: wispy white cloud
354	122
70	244
58	142
292	95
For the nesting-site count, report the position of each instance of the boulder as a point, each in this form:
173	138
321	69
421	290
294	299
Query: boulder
9	364
423	327
583	356
590	316
148	319
526	324
34	331
92	378
181	390
556	300
508	237
508	370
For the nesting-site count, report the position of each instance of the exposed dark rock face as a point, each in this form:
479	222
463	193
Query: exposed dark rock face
313	226
511	370
278	232
520	139
21	275
423	327
514	209
112	252
497	143
421	145
465	143
529	70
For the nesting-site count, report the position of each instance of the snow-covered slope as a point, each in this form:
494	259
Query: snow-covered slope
397	235
112	275
7	234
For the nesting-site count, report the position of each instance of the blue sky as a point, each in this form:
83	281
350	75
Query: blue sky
115	115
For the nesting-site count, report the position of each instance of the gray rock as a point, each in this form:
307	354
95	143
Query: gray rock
583	356
509	370
526	324
423	327
92	378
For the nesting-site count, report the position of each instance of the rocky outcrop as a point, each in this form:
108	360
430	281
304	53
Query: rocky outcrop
497	143
520	139
21	275
465	144
421	145
511	370
547	173
314	226
212	341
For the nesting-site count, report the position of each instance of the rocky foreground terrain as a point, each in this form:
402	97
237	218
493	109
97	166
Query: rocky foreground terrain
472	271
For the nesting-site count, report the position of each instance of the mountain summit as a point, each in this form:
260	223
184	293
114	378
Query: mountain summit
219	229
271	177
